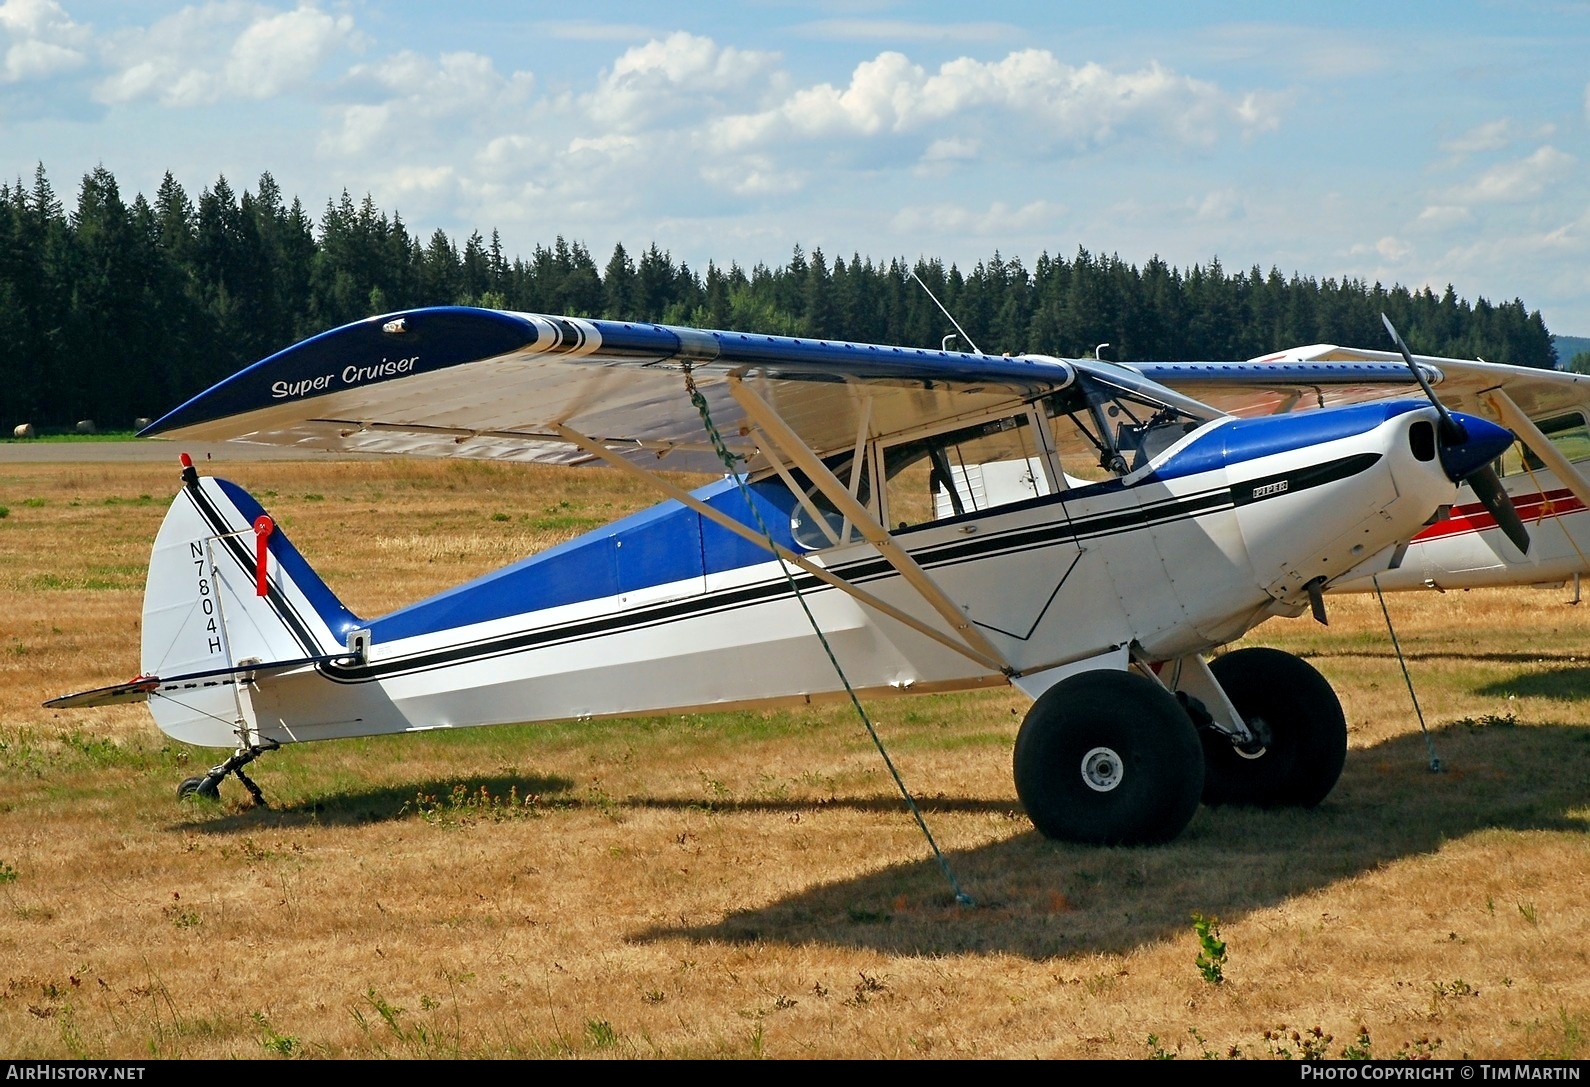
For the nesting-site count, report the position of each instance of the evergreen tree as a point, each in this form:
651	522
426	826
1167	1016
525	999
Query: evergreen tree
619	289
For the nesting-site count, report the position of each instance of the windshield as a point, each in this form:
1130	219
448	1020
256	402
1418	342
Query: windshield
1115	429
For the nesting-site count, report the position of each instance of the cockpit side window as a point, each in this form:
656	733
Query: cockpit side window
964	471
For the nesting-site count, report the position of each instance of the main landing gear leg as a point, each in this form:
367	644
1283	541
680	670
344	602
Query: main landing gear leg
209	786
1300	733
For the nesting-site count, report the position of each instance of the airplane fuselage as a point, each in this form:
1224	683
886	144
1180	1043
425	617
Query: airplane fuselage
667	611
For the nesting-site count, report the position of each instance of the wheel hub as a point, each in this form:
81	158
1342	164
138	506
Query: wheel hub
1257	747
1102	769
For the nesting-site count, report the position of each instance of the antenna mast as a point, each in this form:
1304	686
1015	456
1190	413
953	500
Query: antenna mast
946	312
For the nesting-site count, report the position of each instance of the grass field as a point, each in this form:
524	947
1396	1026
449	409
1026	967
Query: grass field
749	885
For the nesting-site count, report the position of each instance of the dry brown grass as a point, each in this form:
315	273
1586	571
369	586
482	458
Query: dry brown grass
748	884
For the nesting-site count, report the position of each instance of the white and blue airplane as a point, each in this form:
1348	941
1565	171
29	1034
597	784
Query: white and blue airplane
1145	530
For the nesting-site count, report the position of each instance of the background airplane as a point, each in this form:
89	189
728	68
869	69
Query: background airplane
847	550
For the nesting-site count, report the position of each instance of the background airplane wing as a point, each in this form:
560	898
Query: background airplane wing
1323	374
488	384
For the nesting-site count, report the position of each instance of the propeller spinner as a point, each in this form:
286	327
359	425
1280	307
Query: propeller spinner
1466	458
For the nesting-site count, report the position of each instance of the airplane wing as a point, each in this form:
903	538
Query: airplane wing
456	381
464	382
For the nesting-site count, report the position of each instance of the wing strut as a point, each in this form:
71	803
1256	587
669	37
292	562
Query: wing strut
777	431
1522	425
718	517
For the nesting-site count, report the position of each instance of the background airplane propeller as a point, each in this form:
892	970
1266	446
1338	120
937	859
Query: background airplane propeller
1484	480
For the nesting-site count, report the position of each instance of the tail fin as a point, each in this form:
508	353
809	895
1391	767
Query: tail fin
203	614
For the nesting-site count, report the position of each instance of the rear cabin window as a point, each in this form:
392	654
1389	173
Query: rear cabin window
1568	434
816	522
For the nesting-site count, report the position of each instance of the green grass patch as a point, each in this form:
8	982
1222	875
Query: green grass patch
563	522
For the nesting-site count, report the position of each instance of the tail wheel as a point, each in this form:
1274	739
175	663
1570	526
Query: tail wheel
1299	722
1108	758
208	788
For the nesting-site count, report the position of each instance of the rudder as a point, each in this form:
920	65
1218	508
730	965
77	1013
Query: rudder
203	613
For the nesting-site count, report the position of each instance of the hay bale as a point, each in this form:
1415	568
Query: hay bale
85	426
23	430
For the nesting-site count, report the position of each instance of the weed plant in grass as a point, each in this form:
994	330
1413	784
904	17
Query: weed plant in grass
749	884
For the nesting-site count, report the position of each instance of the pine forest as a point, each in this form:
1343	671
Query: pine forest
119	309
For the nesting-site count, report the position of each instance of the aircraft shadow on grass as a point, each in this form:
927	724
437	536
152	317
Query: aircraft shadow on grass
1038	898
466	795
385	803
1564	684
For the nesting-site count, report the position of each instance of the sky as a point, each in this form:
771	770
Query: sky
1415	142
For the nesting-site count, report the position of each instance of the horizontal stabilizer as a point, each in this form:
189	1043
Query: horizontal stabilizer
120	694
140	688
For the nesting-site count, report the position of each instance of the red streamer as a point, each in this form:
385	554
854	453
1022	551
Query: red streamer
263	526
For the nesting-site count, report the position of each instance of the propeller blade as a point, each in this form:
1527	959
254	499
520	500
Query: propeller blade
1488	489
1451	429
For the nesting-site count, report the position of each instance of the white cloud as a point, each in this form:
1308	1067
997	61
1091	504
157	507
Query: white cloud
1443	216
1389	248
35	60
945	155
1522	179
1393	249
40	39
275	53
998	220
1556	256
222	50
1220	206
755	176
1494	136
1489	136
424	100
1052	105
426	181
953	149
680	76
614	147
1261	112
